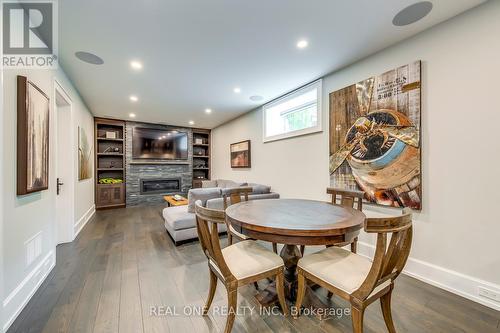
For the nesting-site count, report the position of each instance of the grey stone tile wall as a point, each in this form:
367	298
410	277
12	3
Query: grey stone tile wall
154	169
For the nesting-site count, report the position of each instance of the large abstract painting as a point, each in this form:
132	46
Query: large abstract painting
32	137
84	155
375	138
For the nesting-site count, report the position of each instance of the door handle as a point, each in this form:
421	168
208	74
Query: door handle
59	184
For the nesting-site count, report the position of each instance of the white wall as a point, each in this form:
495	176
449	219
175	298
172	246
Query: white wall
2	142
28	215
84	189
456	234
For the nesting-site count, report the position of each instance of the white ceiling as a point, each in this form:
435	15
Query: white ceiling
196	51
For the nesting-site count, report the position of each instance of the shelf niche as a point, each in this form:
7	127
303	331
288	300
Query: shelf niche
201	156
109	163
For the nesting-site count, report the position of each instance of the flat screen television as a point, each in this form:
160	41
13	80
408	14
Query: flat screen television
158	144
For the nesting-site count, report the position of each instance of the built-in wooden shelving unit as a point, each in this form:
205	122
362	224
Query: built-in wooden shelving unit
201	156
109	162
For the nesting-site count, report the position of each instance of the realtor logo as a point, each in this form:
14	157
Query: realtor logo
29	34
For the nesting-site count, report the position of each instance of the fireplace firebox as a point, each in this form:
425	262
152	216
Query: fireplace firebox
160	186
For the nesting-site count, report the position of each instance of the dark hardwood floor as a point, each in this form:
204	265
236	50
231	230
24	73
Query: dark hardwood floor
123	268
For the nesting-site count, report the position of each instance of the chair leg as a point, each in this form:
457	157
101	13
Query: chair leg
301	291
256	285
354	245
385	303
229	238
302	249
211	292
357	319
280	288
232	301
275	250
329	295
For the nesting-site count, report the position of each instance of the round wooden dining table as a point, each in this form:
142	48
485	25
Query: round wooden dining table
295	222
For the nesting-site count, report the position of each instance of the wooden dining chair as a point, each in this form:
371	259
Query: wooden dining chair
355	278
230	197
235	265
346	198
233	196
351	199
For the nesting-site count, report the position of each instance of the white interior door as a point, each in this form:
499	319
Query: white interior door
65	170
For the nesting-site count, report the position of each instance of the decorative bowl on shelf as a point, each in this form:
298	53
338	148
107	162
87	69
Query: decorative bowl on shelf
110	180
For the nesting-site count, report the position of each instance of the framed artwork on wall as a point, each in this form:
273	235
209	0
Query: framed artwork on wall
375	137
32	137
240	154
84	155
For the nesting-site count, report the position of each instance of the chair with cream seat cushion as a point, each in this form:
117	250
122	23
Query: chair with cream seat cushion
230	197
346	198
237	235
236	265
357	279
249	258
233	196
339	267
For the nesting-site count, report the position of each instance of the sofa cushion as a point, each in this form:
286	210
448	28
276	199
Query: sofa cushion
179	218
202	194
218	203
224	183
272	195
259	188
208	183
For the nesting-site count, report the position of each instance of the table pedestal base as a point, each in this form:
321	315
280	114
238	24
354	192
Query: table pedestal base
291	255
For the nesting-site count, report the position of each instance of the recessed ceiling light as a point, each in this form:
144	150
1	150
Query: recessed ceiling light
137	65
169	133
237	90
301	44
208	110
191	122
412	13
89	58
256	98
134	98
132	115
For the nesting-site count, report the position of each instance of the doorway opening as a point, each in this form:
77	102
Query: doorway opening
65	166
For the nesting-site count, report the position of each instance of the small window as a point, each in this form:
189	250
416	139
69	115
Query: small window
297	113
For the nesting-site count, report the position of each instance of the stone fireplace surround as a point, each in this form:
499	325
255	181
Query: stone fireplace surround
139	170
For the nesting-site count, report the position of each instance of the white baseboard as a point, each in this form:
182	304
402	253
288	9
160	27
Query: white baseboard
15	302
82	221
454	282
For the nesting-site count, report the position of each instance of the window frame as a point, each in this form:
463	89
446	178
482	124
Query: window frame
318	84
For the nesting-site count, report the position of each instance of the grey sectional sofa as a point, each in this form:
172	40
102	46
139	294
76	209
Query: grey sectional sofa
180	221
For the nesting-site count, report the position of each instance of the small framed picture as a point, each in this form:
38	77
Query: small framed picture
198	141
110	135
240	154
